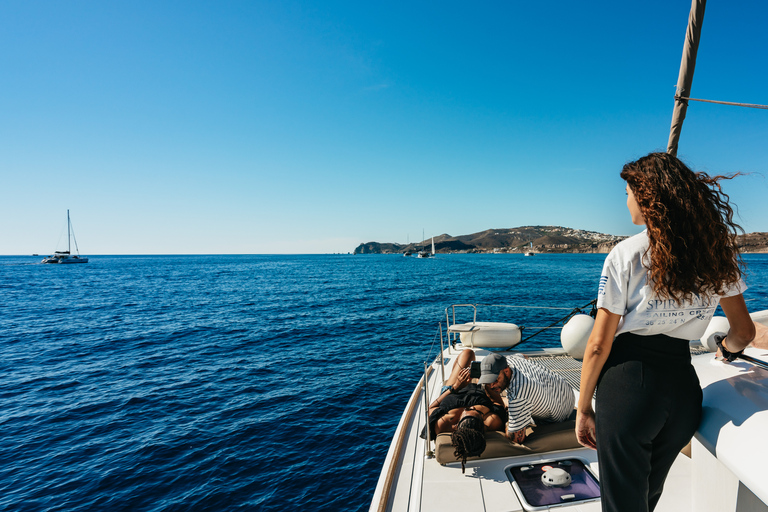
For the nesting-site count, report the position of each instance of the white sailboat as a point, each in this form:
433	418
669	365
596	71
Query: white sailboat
530	252
423	253
67	256
723	469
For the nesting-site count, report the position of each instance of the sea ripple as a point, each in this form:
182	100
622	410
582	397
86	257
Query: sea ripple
166	383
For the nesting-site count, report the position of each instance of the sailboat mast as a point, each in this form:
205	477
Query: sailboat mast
685	78
69	237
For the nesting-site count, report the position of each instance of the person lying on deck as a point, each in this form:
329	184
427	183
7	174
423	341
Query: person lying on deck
467	409
461	397
534	394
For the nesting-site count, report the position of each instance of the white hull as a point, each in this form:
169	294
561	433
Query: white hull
67	261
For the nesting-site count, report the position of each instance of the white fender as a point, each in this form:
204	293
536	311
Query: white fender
575	335
490	334
720	325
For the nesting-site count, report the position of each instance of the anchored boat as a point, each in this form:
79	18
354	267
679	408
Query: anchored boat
530	252
423	253
67	256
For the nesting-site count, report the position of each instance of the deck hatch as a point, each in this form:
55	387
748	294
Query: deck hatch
528	481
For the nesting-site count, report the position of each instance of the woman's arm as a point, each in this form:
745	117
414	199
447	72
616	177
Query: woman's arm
595	355
462	379
742	330
434	405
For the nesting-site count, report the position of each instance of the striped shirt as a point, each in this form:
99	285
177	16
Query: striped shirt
536	393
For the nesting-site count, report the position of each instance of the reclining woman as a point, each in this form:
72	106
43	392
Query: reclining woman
467	409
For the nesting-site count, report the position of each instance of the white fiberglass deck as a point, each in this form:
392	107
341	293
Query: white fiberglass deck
422	484
724	474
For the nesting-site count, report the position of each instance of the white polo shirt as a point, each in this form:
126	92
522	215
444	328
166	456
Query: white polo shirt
624	290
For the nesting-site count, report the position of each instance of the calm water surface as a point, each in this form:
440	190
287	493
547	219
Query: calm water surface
165	383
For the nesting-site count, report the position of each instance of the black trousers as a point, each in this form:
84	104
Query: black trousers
648	406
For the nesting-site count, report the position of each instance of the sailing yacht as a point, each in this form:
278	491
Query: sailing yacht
67	256
530	252
425	254
723	468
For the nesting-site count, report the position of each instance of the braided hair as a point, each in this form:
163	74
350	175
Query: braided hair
468	439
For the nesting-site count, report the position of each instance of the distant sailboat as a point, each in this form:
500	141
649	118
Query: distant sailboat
407	252
423	253
530	251
67	256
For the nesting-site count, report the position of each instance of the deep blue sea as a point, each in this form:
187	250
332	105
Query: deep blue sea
165	383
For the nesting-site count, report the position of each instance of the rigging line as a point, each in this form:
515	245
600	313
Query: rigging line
522	307
566	317
77	249
432	347
748	105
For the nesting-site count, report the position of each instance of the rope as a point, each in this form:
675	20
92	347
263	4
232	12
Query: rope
432	347
748	105
565	318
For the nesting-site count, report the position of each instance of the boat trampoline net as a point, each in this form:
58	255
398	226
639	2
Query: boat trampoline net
565	366
570	369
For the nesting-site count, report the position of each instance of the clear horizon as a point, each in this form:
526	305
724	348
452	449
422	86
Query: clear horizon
327	253
256	127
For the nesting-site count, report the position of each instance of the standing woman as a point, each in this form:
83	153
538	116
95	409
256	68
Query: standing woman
658	290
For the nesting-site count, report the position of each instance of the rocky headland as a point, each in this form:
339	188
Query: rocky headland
545	239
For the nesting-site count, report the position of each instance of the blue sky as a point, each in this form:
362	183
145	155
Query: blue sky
186	127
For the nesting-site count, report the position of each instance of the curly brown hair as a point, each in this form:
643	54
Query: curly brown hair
692	234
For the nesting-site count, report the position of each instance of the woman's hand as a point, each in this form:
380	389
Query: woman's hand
595	356
462	379
585	428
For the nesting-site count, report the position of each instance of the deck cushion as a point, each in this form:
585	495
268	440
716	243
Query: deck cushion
545	438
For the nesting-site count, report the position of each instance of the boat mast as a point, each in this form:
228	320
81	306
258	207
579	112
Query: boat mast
685	78
69	237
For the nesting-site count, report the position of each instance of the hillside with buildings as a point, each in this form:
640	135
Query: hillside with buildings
541	239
